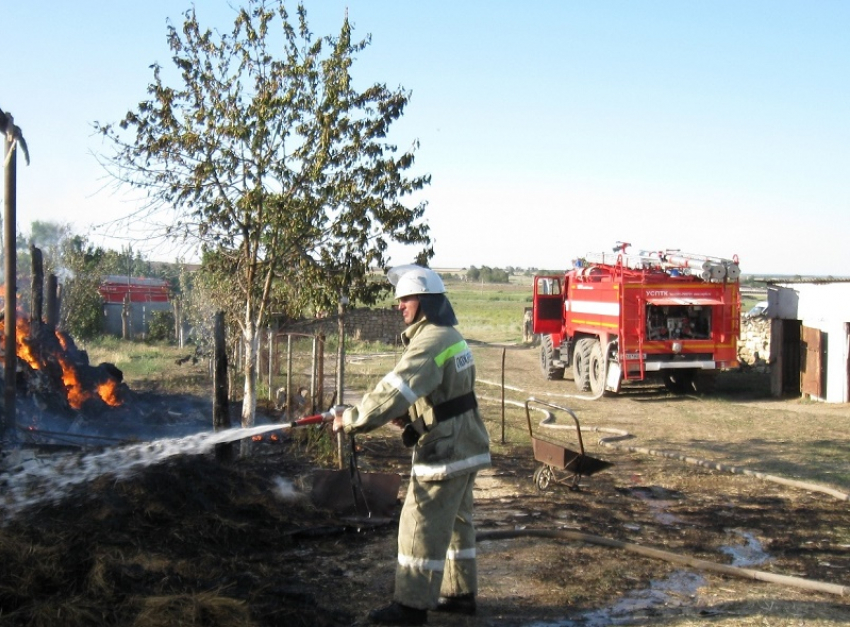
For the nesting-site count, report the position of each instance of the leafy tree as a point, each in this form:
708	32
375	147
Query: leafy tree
494	275
81	309
49	236
278	167
52	239
161	327
486	274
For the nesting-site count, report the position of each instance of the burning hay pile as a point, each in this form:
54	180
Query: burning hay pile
63	400
55	376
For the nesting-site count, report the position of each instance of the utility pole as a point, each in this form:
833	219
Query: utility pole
12	140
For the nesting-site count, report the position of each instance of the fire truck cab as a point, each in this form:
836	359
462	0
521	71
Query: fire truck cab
621	317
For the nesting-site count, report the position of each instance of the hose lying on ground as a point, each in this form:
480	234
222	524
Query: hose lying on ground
723	569
803	485
623	435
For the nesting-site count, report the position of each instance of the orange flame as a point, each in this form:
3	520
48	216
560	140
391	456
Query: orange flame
23	350
108	392
76	392
271	437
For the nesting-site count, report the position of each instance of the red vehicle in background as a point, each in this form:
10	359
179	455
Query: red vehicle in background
620	317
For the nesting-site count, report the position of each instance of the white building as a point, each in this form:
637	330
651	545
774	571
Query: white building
810	340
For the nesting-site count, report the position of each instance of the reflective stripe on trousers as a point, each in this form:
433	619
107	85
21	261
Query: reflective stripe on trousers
436	542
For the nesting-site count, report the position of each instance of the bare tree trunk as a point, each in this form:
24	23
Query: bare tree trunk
125	317
251	340
221	404
177	306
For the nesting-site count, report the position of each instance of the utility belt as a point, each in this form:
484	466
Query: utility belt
444	411
454	407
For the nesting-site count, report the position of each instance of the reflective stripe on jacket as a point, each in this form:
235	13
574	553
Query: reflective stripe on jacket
436	366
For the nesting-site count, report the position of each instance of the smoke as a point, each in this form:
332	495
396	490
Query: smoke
285	490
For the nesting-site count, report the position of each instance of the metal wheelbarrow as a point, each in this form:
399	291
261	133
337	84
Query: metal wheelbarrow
359	496
558	463
362	497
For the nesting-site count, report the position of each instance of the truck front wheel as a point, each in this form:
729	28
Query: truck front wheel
547	358
581	364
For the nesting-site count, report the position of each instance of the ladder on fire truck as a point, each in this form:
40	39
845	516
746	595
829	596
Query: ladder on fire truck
714	269
637	322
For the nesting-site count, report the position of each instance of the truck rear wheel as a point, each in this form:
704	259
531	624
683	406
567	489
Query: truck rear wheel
581	363
596	368
547	357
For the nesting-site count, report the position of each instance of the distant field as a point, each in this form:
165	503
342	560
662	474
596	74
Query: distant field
490	312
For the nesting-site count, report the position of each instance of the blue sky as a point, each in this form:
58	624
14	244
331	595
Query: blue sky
550	128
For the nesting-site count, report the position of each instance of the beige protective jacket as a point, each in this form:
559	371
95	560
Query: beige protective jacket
437	366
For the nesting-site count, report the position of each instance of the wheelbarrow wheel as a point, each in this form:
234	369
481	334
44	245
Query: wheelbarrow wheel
543	478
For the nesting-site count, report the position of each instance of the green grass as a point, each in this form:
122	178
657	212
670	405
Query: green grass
151	366
490	312
135	359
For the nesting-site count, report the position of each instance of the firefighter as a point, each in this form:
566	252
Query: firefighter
431	389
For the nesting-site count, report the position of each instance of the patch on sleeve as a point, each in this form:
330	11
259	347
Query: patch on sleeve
464	360
460	353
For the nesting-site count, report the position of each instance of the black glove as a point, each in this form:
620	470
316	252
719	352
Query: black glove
410	436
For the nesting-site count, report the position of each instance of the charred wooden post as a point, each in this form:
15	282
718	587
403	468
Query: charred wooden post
51	316
37	287
221	402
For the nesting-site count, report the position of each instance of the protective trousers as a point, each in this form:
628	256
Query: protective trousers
436	542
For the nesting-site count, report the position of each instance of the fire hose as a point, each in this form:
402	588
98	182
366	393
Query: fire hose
622	435
723	569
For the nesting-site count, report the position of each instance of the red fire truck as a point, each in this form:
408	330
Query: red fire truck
621	317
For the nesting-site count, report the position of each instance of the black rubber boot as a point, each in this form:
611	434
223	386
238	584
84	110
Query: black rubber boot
398	614
461	604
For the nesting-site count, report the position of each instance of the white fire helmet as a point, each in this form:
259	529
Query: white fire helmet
411	280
